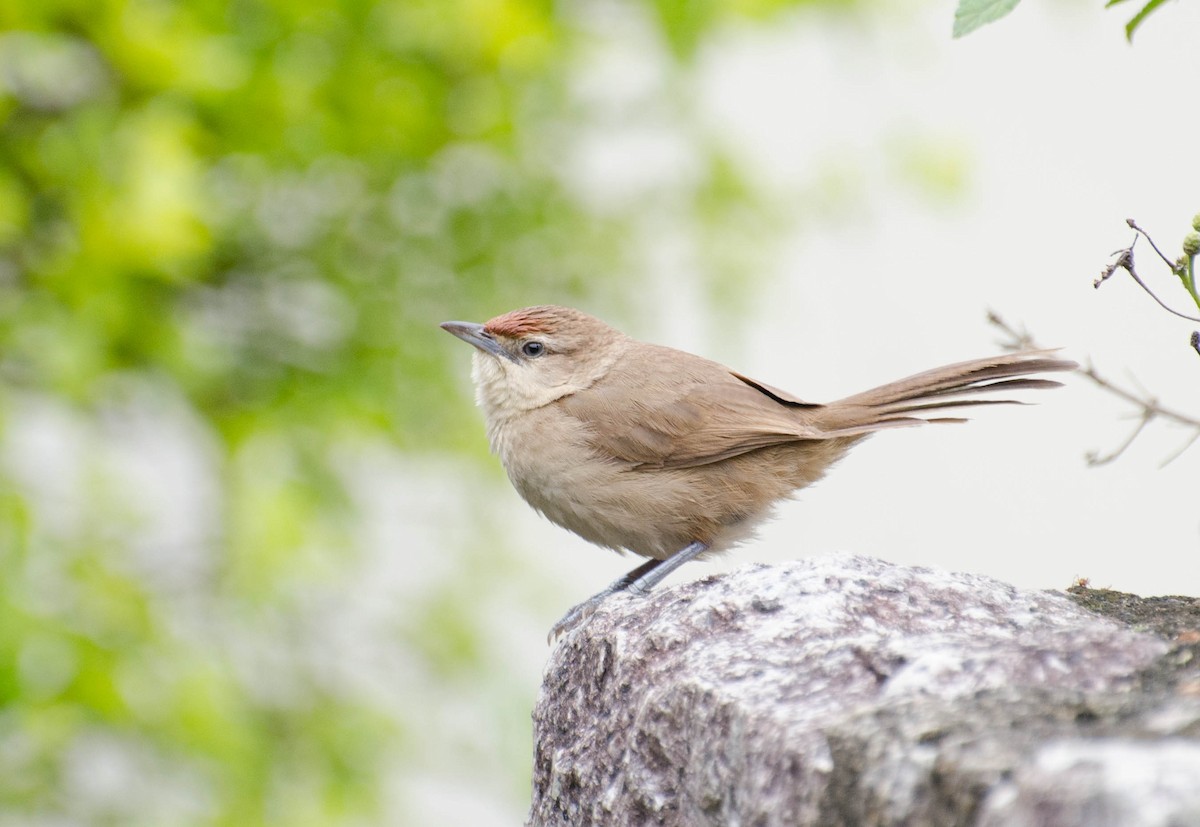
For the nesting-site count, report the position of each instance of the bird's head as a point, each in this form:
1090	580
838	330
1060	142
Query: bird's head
529	357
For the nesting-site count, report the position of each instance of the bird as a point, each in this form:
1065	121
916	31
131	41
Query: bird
643	448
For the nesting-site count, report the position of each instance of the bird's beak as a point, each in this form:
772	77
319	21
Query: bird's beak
474	334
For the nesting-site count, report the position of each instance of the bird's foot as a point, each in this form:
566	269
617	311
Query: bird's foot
576	615
638	582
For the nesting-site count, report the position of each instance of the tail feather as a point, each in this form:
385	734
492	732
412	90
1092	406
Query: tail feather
951	403
893	405
1010	384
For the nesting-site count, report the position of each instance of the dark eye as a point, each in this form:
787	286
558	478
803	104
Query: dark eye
532	349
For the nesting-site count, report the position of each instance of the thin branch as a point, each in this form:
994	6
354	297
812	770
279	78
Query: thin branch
1179	453
1017	339
1138	229
1020	339
1161	303
1146	402
1095	459
1125	257
1125	262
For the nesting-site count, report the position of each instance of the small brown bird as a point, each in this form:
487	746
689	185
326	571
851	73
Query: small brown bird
669	455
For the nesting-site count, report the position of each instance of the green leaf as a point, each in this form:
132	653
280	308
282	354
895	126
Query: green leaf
1132	25
971	14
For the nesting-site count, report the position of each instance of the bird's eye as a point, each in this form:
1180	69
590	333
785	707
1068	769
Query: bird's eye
532	349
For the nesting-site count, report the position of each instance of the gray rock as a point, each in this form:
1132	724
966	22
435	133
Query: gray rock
848	691
1101	782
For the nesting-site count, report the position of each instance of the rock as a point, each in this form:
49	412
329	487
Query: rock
848	691
1101	782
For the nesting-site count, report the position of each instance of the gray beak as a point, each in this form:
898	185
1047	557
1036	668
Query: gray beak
474	334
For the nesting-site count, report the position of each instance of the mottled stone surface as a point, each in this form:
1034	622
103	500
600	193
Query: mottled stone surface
1101	782
835	691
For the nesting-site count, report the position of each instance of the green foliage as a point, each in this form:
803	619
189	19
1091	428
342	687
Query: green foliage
1185	267
241	221
262	209
1137	19
685	23
971	14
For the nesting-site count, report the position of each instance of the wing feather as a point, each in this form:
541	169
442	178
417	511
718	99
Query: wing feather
663	411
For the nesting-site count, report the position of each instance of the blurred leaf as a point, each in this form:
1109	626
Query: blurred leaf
971	14
1137	20
228	231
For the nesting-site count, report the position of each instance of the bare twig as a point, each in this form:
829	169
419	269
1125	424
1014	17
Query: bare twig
1149	406
1124	261
1146	402
1017	339
1184	447
1139	230
1095	458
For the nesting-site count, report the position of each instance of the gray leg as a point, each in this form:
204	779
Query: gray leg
639	581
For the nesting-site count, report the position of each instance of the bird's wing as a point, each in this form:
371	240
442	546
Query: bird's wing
664	409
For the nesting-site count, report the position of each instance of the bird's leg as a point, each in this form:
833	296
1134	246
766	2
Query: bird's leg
645	577
639	581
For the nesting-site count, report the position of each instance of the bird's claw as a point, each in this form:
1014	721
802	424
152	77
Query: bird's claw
575	616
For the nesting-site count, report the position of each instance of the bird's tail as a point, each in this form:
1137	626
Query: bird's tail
932	395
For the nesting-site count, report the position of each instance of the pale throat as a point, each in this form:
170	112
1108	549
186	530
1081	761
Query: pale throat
505	390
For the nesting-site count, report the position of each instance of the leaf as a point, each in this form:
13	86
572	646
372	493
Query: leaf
1132	25
971	14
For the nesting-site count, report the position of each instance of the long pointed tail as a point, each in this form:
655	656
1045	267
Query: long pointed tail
918	399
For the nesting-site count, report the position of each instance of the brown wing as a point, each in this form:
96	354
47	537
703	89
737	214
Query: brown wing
667	409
